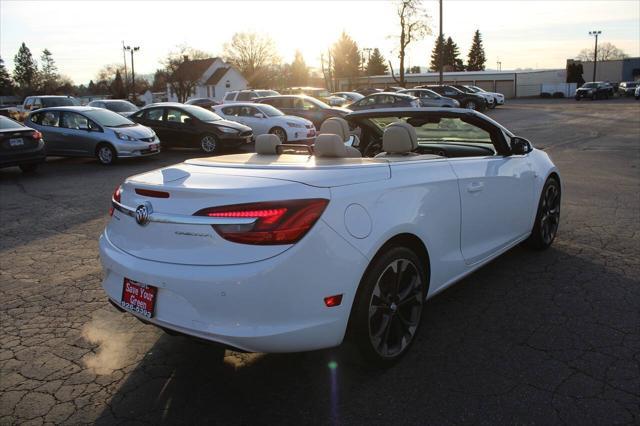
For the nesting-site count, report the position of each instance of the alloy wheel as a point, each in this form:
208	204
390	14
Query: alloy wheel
208	144
550	217
395	308
280	134
471	105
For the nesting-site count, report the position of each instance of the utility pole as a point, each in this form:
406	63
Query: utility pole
133	74
499	65
441	38
595	52
124	58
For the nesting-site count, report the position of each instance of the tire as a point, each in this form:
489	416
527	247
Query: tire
209	144
492	105
106	154
388	308
280	133
577	98
471	105
28	168
547	217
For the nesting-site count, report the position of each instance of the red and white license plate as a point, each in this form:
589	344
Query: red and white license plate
139	298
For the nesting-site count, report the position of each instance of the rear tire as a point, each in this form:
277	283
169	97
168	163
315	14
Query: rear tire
547	218
388	306
28	168
106	154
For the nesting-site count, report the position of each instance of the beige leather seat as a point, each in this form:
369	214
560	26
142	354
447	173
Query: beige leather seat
267	144
338	126
331	145
399	139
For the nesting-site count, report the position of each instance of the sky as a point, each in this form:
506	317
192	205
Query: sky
83	36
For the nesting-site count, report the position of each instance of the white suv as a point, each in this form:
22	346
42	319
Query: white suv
247	95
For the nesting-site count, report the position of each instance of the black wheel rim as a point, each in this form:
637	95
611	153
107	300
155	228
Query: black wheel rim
550	214
395	308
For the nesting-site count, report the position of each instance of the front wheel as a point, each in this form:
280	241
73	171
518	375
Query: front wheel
547	217
388	306
209	144
471	105
280	133
106	154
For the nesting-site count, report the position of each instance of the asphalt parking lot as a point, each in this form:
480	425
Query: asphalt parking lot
533	338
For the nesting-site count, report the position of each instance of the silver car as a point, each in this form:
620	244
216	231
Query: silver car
92	132
429	98
120	106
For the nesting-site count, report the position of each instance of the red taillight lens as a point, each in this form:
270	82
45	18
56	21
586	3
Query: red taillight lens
152	193
36	135
117	194
277	222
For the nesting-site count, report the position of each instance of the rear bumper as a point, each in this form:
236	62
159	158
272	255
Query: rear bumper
34	155
274	305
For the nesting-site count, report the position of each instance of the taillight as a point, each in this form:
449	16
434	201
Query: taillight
277	222
36	135
152	193
117	195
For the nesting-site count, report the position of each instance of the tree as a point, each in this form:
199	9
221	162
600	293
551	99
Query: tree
6	85
298	72
452	56
606	52
574	73
25	70
117	87
91	88
255	56
183	80
377	64
476	57
346	58
160	80
435	54
49	75
413	26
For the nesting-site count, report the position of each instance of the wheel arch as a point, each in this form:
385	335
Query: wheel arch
103	142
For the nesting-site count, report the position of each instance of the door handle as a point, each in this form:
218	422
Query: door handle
475	187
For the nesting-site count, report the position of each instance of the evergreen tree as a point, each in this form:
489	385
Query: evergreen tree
346	58
452	56
435	55
49	74
91	88
117	87
6	85
476	58
377	64
299	72
25	71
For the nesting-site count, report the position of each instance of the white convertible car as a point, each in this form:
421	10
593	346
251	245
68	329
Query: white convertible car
297	248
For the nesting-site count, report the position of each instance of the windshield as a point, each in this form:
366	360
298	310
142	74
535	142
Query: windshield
472	89
270	111
631	85
449	130
107	118
121	106
201	113
317	103
590	85
55	102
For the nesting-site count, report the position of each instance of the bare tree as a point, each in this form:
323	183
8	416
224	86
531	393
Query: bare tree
413	26
606	52
183	79
255	56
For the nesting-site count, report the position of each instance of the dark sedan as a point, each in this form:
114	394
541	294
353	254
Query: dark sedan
304	106
594	90
385	100
466	100
193	127
206	103
20	146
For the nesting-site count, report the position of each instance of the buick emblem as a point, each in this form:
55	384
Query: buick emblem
143	212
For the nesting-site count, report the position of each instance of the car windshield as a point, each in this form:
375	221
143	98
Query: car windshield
270	111
437	130
121	106
317	103
472	89
478	89
55	102
107	118
590	85
7	123
263	93
201	113
631	85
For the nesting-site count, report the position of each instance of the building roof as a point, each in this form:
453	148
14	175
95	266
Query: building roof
217	75
195	67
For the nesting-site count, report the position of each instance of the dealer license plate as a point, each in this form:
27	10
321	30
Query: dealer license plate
139	298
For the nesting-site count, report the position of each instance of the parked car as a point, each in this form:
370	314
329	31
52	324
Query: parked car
246	95
429	98
263	118
637	92
498	97
466	100
32	103
119	106
304	106
92	132
350	97
283	253
489	99
20	145
628	88
193	127
594	90
365	91
385	100
206	103
393	89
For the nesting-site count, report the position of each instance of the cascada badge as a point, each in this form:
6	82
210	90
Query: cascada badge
143	212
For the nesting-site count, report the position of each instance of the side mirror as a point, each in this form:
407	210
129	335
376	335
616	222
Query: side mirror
520	146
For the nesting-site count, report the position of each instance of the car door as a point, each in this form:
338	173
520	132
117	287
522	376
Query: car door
181	127
76	135
256	119
496	192
155	119
48	123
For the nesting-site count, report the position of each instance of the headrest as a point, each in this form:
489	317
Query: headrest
335	126
330	145
266	144
399	137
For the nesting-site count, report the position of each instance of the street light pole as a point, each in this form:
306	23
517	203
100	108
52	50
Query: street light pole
133	73
124	58
595	52
441	53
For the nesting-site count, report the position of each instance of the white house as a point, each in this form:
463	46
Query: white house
217	78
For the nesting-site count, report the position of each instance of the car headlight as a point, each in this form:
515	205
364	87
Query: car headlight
228	130
296	125
124	137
